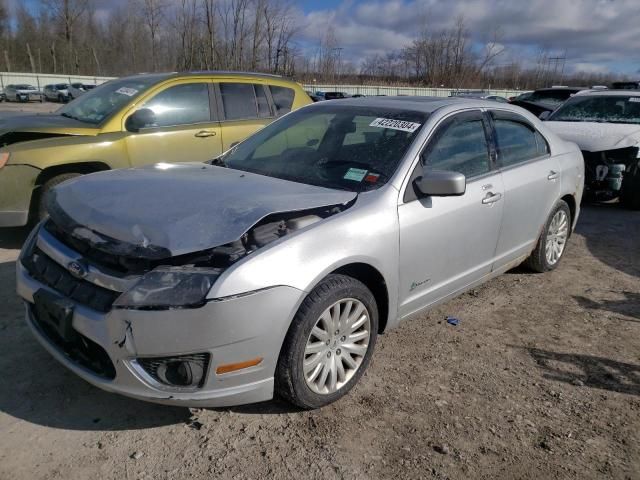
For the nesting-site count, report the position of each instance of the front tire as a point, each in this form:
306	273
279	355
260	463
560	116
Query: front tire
329	344
553	240
46	190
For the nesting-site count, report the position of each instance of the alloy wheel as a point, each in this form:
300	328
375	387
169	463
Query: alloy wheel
557	235
336	346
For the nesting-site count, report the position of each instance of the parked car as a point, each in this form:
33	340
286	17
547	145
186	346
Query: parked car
335	95
625	86
545	99
77	89
314	98
482	96
606	127
21	93
134	121
275	267
58	92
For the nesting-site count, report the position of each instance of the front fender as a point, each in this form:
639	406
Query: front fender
57	151
365	233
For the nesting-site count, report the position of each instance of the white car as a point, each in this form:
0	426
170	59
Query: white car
606	126
77	89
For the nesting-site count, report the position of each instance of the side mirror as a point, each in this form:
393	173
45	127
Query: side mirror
440	183
140	119
544	115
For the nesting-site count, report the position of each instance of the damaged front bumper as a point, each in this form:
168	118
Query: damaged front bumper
113	349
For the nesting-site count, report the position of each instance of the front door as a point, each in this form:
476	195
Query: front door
447	243
184	129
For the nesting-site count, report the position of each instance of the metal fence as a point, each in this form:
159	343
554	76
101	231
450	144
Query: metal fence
413	91
41	79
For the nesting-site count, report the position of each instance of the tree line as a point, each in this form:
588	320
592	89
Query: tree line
75	37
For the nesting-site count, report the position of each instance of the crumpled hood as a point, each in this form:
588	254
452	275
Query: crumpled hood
596	137
174	209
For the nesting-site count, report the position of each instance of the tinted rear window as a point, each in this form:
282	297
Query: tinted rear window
282	98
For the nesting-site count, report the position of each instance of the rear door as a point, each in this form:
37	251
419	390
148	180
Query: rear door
531	178
185	128
244	108
448	243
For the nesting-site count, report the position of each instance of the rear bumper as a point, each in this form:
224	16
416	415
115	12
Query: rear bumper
16	188
230	330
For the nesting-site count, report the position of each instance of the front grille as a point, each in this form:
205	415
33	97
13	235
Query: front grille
117	263
80	349
48	272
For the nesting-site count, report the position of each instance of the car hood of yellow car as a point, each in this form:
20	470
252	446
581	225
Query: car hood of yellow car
47	123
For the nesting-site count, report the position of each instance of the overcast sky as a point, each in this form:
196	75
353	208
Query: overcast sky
598	35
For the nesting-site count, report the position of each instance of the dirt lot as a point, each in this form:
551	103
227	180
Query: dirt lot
12	108
541	379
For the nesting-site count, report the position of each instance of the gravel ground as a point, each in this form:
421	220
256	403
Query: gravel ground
541	379
8	109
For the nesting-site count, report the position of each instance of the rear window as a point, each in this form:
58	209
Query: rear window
243	101
282	98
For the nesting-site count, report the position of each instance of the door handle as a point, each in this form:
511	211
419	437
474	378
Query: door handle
205	134
553	175
491	198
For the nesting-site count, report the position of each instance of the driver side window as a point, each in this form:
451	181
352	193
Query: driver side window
184	104
461	147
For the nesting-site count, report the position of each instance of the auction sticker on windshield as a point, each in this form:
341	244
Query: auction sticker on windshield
395	124
355	174
129	92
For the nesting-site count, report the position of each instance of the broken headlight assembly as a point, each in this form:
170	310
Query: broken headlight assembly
170	287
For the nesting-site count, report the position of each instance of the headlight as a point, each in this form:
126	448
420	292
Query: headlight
170	287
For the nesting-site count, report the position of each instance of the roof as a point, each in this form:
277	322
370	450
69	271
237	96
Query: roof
418	104
221	73
610	93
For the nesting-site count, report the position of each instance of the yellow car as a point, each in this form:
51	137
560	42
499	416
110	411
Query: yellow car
134	121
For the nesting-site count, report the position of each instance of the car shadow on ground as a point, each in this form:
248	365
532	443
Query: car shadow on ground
612	234
13	237
628	306
587	370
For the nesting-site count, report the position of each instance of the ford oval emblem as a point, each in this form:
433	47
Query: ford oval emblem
77	269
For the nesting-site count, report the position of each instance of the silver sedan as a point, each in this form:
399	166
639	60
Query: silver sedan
273	268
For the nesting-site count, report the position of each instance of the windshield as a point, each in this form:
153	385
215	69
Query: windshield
101	102
604	109
333	146
550	97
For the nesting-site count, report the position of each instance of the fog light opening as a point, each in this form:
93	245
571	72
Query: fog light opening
180	371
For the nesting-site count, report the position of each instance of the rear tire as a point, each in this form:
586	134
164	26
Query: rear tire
329	343
553	240
46	189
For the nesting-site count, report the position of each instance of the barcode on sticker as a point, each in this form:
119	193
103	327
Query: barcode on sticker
395	124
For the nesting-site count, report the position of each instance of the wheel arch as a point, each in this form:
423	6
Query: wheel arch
50	172
374	281
571	202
